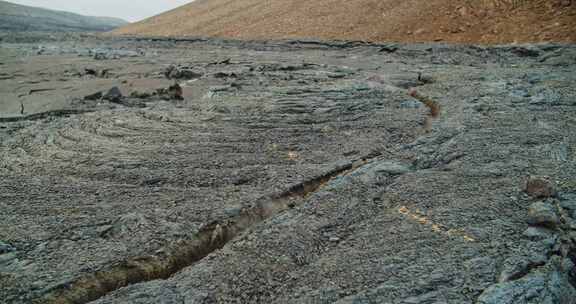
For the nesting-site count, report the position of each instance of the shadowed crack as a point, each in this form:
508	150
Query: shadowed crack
42	115
432	105
184	253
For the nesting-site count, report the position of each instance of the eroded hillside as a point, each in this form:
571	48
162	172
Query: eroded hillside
462	21
22	18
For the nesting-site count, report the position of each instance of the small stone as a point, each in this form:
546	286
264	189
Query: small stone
538	233
425	79
90	72
99	56
525	51
113	95
6	248
542	214
392	168
539	187
224	75
175	92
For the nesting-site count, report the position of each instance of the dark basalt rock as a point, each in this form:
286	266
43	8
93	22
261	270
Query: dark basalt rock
113	95
181	73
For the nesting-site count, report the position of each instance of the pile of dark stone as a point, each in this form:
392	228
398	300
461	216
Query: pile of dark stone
138	98
547	274
181	72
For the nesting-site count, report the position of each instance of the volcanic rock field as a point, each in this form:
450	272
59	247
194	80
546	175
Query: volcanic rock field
164	170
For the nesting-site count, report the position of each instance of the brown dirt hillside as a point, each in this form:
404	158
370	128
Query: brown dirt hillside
457	21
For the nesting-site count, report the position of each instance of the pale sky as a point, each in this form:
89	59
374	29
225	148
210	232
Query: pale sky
130	10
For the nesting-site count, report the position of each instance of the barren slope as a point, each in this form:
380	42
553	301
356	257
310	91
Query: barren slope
370	20
15	17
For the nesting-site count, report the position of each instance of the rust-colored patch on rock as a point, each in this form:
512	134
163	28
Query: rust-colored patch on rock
540	187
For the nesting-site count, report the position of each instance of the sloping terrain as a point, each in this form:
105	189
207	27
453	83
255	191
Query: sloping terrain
492	21
15	17
287	172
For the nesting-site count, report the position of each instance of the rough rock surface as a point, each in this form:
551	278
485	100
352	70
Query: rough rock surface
540	187
542	214
547	286
288	173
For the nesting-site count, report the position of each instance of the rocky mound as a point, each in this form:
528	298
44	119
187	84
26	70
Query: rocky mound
502	21
14	17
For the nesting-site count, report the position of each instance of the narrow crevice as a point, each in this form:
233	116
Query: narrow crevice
184	253
433	106
38	116
211	237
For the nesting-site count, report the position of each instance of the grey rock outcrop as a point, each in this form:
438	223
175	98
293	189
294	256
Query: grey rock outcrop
549	285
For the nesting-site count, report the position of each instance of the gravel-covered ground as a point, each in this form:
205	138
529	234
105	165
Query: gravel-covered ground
286	172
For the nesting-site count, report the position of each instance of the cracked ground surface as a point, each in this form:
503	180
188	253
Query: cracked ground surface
431	215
